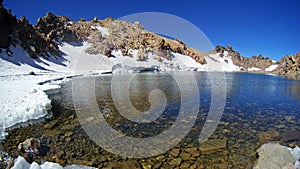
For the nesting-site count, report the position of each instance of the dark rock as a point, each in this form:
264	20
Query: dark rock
290	135
32	73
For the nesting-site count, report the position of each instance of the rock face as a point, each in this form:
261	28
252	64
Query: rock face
246	63
274	156
288	66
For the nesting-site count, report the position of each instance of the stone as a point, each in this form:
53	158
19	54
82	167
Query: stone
213	145
130	164
175	152
193	151
31	145
267	136
185	156
175	161
289	118
290	135
275	156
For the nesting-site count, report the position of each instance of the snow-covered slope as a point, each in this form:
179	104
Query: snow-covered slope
217	63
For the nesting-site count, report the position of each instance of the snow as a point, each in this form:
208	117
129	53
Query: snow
254	69
21	163
271	68
104	31
217	63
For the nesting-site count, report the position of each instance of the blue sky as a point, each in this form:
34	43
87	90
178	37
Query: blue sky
267	27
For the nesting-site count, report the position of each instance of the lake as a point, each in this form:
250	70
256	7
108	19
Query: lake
154	120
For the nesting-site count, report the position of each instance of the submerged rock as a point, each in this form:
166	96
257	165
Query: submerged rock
275	156
213	145
267	136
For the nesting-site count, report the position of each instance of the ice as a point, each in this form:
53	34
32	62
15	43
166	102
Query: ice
21	163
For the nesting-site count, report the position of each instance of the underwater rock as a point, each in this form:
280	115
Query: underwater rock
267	136
290	135
212	145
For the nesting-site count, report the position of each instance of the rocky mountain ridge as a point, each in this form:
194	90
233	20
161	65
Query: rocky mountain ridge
104	36
288	66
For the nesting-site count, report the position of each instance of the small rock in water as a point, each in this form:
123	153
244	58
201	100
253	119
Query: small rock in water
213	145
267	136
175	152
274	156
291	135
289	118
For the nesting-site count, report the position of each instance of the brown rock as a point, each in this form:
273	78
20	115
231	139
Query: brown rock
193	151
213	145
290	135
267	136
175	152
31	145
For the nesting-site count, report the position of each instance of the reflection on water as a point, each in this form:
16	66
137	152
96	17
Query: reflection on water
259	108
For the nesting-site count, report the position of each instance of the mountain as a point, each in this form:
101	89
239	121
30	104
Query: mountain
110	37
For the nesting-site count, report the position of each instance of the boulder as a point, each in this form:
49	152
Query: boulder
274	156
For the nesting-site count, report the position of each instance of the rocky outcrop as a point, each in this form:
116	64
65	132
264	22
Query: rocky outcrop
259	61
289	66
20	32
158	45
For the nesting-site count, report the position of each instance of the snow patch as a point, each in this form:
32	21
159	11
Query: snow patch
271	68
217	63
104	31
254	69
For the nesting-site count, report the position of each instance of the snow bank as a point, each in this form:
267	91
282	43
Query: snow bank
21	163
253	69
271	68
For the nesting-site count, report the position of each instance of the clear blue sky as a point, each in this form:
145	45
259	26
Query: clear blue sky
253	27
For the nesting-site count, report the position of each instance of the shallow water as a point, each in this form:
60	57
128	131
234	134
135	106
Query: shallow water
258	109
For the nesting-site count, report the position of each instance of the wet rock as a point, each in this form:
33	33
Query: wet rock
273	156
267	136
185	156
175	161
290	135
193	151
289	118
213	145
175	152
31	145
130	164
